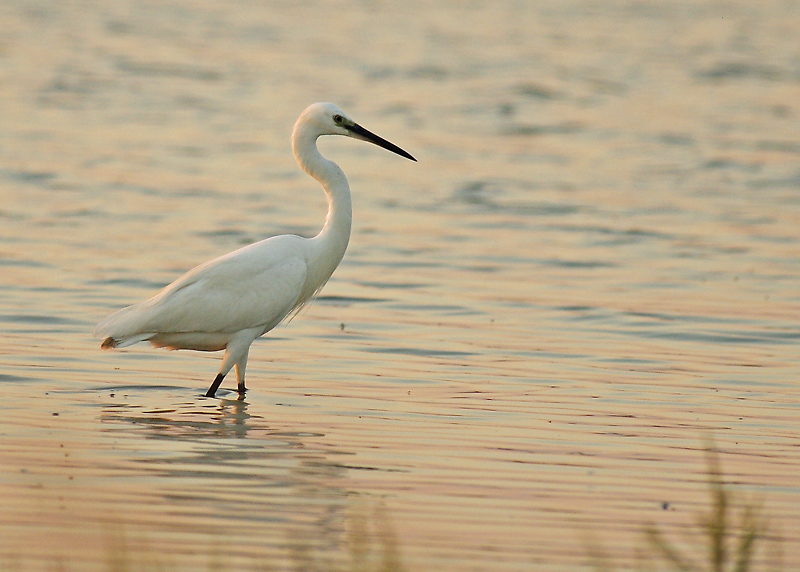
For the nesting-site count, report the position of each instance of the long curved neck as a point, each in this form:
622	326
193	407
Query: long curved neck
335	235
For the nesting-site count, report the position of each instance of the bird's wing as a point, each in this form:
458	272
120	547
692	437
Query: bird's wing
255	286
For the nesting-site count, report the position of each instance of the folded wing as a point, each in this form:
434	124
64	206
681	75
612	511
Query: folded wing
254	287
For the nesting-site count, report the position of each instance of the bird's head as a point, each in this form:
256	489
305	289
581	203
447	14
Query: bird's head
329	119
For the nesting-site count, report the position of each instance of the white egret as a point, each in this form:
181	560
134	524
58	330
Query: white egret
230	301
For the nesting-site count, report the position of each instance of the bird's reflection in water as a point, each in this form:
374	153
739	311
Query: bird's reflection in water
223	419
234	415
220	461
222	439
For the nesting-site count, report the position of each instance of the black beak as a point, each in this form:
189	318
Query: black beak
361	133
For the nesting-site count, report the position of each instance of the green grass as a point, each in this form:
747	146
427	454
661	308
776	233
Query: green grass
369	545
728	544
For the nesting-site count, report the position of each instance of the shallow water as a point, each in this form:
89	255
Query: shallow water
593	267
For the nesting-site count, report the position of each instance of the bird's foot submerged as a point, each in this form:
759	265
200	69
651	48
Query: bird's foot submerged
212	391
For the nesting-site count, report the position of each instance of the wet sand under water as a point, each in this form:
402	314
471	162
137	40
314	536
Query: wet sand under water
593	268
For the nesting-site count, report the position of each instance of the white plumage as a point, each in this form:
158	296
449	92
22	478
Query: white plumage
228	302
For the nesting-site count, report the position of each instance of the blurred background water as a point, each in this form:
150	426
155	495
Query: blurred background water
593	266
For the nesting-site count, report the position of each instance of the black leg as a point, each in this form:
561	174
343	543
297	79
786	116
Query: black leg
242	389
212	391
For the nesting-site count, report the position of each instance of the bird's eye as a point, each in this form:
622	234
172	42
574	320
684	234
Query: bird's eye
338	119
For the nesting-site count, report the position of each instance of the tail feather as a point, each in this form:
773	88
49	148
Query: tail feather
122	328
119	343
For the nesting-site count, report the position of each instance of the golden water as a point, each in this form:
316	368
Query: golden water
593	267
